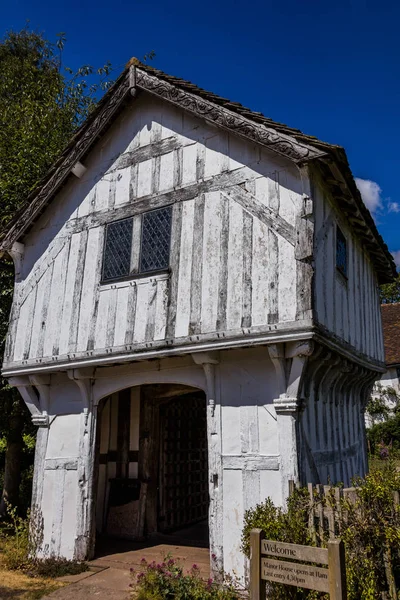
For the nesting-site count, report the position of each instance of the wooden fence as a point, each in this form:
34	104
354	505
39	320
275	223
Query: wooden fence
327	516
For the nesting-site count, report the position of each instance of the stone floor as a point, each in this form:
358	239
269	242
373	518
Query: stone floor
110	575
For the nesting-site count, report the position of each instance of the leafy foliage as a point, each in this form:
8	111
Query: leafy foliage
167	581
385	434
19	541
370	530
42	103
390	292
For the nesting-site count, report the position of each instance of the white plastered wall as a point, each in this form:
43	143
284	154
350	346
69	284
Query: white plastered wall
242	438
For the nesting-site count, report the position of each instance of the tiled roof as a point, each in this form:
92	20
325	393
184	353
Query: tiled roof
391	332
334	166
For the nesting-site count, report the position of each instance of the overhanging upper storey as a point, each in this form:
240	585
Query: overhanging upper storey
229	116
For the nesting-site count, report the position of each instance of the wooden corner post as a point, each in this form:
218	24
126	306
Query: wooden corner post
337	570
257	584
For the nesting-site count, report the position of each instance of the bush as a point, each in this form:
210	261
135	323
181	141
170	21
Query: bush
387	433
20	538
370	530
167	581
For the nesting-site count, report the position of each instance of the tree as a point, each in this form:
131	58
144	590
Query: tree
42	103
390	292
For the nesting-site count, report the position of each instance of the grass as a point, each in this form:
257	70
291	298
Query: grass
15	585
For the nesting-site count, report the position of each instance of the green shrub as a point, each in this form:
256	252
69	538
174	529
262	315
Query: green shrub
370	530
167	581
387	433
20	538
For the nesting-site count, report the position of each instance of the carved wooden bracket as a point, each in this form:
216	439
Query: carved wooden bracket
208	360
17	254
289	360
35	391
83	379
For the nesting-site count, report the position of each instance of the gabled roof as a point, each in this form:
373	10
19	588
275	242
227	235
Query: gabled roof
300	148
391	333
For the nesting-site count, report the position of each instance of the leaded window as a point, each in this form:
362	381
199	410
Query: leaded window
341	252
147	252
156	239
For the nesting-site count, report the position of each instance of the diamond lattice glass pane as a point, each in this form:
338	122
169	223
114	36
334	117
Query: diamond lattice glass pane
341	252
156	238
117	253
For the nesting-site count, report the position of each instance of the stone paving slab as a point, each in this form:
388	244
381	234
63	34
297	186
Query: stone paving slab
113	576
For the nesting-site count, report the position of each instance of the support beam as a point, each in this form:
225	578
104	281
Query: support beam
289	361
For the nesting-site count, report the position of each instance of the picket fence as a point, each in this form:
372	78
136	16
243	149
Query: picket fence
326	517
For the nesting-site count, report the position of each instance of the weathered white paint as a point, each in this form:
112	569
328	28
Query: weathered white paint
68	265
247	237
348	307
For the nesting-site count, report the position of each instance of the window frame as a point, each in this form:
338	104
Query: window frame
134	270
343	273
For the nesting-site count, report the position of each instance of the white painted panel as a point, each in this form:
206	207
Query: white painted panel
88	287
189	157
141	312
68	309
287	281
120	320
267	426
166	172
102	318
231	420
271	487
47	505
233	520
144	178
289	200
23	322
133	470
68	530
259	273
64	437
37	325
56	299
160	320
102	192
185	270
123	178
235	267
211	260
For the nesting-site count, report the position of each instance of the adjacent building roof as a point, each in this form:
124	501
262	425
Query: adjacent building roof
298	147
391	333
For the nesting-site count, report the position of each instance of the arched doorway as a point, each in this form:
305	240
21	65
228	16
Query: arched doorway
152	463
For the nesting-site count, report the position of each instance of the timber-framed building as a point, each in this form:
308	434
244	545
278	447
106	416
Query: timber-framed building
196	317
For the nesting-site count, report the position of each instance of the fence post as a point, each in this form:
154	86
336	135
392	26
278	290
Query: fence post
257	585
337	570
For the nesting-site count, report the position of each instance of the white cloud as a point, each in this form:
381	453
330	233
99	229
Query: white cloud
371	194
393	207
396	256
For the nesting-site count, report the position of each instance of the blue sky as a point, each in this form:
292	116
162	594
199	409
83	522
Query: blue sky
330	69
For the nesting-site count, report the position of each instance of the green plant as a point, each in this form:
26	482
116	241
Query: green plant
285	525
167	581
369	525
20	539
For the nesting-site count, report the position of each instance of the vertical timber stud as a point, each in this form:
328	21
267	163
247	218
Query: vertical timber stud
337	571
257	585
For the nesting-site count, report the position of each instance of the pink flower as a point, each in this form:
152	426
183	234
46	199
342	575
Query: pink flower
214	556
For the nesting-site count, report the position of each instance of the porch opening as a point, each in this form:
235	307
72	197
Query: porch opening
152	465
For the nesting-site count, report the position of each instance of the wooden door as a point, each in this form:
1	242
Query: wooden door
183	475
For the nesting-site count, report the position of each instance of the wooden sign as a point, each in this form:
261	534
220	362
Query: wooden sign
281	568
